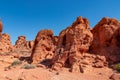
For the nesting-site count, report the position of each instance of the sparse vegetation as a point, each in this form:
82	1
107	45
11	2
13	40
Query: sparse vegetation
28	66
117	67
5	53
16	62
57	73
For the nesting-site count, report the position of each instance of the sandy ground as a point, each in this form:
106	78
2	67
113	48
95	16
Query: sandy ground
42	73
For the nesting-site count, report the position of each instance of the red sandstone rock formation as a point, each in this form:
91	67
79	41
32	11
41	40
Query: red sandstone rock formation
5	43
44	46
114	47
73	43
106	39
1	27
71	48
23	44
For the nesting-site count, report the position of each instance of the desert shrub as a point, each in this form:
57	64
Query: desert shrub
117	67
28	66
7	53
16	62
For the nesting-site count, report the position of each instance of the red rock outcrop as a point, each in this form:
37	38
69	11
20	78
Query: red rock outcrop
106	39
73	44
114	47
1	27
5	43
23	44
44	46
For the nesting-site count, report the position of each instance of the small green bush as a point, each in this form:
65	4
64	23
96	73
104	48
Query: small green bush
16	62
28	66
117	67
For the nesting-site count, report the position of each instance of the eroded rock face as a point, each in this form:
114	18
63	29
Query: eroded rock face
1	27
30	44
114	48
44	46
73	43
106	39
23	44
5	43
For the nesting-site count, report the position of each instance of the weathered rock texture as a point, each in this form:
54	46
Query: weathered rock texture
44	46
115	76
106	39
73	44
1	27
5	43
23	44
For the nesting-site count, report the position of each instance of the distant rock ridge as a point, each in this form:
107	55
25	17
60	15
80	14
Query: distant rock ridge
23	44
6	45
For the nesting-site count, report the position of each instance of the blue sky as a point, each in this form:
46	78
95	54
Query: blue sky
27	17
